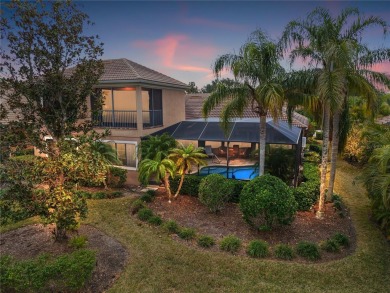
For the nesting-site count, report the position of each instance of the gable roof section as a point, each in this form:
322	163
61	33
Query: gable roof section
126	71
194	103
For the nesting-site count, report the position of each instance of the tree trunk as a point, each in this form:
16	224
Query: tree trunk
324	160
335	150
263	127
59	233
180	185
167	187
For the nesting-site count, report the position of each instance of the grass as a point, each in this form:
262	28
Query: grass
178	268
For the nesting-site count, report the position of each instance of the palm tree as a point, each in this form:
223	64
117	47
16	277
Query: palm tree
184	157
152	145
161	168
107	152
259	75
334	44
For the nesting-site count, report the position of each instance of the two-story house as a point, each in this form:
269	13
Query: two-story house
137	101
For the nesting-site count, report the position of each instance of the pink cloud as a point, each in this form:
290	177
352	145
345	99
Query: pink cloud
179	52
382	67
213	23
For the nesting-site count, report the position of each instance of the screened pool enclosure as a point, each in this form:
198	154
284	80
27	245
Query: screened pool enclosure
240	141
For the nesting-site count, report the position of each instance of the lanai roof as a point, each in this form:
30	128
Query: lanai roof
194	103
241	130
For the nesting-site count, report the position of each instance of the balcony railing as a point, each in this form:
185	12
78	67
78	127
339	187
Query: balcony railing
152	118
116	119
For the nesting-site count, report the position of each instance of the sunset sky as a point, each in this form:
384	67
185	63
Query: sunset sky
183	38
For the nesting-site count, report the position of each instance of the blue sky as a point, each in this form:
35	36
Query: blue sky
183	38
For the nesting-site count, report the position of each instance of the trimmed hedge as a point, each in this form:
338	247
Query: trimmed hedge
191	186
306	194
214	192
267	201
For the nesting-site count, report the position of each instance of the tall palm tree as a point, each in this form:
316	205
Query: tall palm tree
185	157
334	44
259	75
159	167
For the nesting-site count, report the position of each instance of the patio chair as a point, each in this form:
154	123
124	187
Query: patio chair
210	154
236	150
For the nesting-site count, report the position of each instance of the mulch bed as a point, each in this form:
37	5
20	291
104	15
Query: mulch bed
188	211
30	241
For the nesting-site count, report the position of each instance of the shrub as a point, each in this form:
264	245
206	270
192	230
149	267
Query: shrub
284	251
99	195
306	194
258	248
190	184
236	187
78	242
84	194
267	201
280	163
214	191
206	241
116	177
319	135
186	233
316	148
137	205
151	192
116	194
171	226
67	273
341	239
146	197
144	214
230	243
155	220
330	245
308	250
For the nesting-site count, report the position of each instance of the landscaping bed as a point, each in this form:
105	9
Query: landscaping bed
31	241
187	211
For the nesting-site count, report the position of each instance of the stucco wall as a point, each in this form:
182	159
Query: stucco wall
173	112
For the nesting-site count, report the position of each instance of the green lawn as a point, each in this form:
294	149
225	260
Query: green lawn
159	264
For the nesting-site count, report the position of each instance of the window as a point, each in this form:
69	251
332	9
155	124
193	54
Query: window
119	108
127	152
152	108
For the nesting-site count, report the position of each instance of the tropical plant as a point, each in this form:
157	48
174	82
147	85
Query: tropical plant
376	175
185	157
259	75
335	45
158	167
152	145
107	152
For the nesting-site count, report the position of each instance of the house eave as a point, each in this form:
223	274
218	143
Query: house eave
141	82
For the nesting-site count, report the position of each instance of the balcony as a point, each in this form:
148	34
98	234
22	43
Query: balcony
152	118
116	119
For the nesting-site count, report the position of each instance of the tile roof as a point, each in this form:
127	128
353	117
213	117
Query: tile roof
194	103
116	70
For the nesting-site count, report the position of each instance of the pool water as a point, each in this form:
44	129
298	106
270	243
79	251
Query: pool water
236	172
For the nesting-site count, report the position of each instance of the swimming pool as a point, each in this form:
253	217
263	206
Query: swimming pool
234	172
